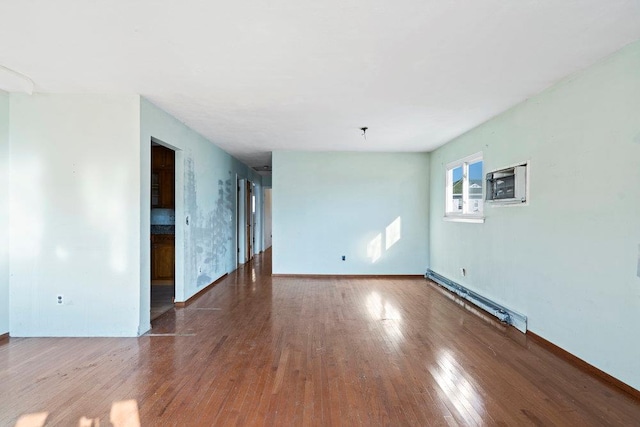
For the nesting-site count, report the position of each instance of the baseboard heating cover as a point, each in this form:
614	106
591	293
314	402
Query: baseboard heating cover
517	320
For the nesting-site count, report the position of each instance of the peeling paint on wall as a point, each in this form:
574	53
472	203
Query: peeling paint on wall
208	195
210	232
218	226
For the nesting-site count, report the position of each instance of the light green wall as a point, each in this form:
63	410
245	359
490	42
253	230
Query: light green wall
569	260
80	212
330	204
205	192
74	212
4	212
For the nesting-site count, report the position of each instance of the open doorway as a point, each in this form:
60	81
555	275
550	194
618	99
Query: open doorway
251	209
162	229
246	219
267	219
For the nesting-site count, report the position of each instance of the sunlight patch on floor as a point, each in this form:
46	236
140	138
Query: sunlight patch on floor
32	420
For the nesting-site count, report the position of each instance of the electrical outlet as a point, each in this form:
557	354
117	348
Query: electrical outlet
60	299
344	258
463	272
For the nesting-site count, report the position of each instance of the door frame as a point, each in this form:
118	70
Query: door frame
145	247
267	223
240	220
249	222
245	222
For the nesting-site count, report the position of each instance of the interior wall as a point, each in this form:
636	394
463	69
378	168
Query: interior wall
4	212
370	207
207	189
74	217
267	218
569	260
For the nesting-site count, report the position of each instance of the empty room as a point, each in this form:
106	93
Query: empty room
319	213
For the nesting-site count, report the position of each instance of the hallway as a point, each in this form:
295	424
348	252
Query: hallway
262	350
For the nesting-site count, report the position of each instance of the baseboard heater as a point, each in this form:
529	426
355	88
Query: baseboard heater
517	320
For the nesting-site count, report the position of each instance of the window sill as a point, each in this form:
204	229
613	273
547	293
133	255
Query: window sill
466	218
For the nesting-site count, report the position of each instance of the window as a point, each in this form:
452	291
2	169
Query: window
464	190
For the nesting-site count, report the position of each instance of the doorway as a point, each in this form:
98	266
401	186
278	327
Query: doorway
246	211
163	254
250	205
267	218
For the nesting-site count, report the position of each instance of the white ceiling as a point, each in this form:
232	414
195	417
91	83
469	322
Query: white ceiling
261	75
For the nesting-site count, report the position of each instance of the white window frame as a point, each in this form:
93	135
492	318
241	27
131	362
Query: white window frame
465	216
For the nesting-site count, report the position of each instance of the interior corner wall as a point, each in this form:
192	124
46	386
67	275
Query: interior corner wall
74	217
206	188
4	213
370	207
570	259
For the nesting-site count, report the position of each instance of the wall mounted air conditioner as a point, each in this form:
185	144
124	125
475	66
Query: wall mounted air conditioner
508	185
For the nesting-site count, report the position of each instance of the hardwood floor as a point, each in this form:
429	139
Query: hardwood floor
161	298
257	350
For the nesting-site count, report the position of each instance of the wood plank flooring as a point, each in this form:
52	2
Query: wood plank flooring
161	298
260	350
